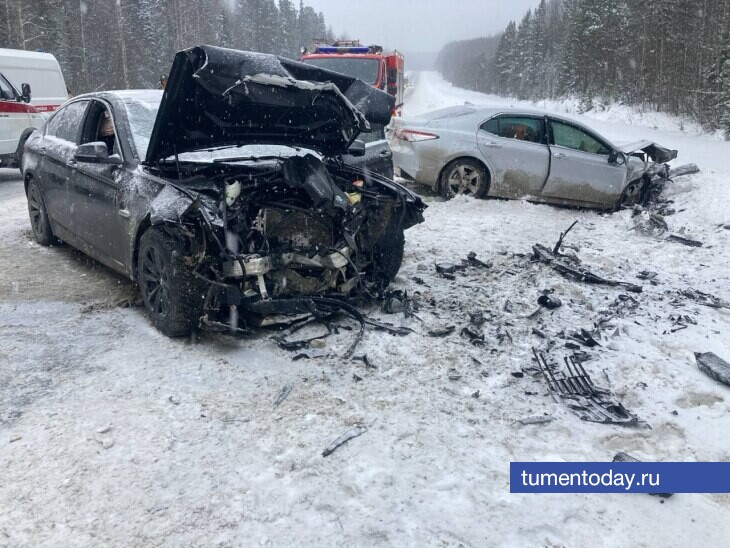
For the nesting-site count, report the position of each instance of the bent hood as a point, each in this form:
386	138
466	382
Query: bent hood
217	96
655	152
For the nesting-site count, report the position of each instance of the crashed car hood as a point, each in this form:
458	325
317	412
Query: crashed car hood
656	152
217	96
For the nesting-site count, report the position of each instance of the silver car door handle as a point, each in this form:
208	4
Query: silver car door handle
560	155
124	213
386	153
491	144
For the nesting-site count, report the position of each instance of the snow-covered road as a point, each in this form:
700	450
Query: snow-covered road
112	434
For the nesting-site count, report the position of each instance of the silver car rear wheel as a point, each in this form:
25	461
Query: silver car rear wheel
464	177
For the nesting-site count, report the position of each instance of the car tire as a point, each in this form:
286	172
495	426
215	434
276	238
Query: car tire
173	296
39	221
389	252
464	176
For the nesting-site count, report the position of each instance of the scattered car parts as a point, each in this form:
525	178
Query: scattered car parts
577	390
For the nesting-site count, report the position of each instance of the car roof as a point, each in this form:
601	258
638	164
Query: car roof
466	115
146	95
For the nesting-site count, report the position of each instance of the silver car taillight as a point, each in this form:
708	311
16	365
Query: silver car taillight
413	136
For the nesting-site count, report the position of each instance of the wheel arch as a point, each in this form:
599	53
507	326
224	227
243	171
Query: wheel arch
144	225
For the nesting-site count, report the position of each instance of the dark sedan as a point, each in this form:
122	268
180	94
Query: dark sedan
229	197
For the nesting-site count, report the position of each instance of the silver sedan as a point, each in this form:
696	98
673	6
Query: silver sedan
509	153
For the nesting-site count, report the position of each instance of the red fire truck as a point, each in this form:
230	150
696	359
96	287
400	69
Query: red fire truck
383	70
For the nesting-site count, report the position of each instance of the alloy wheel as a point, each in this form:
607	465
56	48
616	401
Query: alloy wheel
155	280
464	180
36	210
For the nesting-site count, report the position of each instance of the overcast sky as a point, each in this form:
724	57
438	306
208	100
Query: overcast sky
419	25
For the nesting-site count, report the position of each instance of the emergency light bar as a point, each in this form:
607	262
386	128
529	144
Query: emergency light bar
332	49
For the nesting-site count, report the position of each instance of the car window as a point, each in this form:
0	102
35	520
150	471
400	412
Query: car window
6	90
491	126
66	122
377	134
568	136
522	128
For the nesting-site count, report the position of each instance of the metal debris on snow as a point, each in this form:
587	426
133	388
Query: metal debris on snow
344	438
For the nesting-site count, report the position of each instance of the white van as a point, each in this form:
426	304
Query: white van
42	89
39	70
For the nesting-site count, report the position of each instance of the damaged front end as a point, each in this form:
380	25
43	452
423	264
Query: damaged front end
282	236
648	172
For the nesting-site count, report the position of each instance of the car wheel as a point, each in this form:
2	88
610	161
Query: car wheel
389	252
171	293
464	177
39	222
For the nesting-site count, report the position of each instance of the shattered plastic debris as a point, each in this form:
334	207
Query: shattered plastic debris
579	393
584	338
472	260
703	298
477	339
713	366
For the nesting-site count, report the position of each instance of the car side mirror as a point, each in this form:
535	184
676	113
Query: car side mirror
616	158
25	92
96	153
357	149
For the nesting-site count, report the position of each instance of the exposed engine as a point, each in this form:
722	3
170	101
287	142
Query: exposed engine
279	229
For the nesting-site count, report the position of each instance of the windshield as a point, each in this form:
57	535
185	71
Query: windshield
364	69
141	113
7	92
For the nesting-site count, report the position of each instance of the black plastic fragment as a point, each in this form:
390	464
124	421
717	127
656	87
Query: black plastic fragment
684	241
625	457
549	302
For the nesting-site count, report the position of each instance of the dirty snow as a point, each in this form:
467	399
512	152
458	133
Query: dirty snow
112	434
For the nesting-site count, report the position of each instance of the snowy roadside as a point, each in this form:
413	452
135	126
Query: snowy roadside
112	434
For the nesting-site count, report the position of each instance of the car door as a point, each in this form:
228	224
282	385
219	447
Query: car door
580	170
14	119
57	148
515	147
95	190
378	157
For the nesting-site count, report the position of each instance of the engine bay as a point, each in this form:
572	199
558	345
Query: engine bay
266	233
